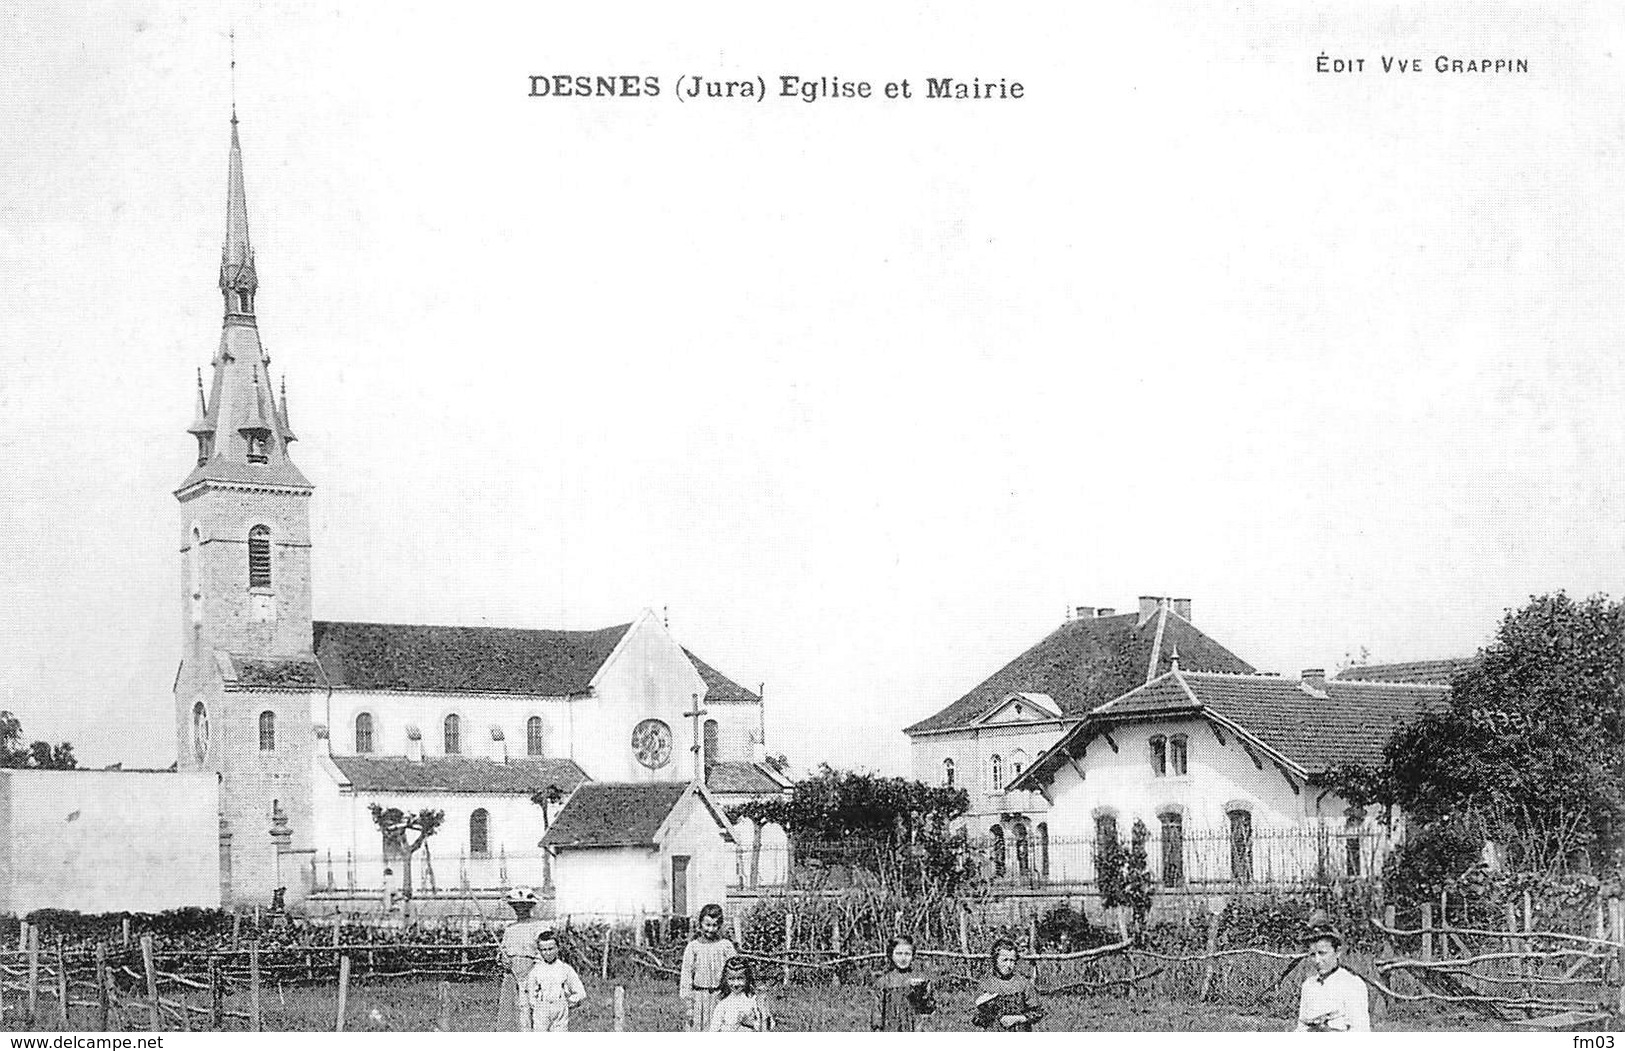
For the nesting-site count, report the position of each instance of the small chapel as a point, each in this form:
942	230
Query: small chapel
597	742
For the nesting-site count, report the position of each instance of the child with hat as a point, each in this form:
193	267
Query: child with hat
1334	999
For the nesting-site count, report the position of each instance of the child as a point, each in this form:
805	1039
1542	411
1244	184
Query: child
1334	999
552	987
701	975
518	949
902	995
740	1010
1004	1000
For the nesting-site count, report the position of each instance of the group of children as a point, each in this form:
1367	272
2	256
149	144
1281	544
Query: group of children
718	989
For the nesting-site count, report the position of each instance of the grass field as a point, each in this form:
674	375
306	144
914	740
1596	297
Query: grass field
653	1006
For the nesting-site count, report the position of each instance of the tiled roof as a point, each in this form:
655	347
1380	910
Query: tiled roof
1437	672
458	773
287	672
428	659
606	814
718	687
1085	663
1349	723
735	777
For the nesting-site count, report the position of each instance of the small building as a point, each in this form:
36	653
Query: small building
108	841
1223	771
621	850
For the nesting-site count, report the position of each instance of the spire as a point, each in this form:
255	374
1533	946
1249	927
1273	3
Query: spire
287	431
201	423
238	281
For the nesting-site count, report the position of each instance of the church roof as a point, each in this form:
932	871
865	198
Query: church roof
1087	662
458	773
1311	727
730	777
620	814
421	658
1435	672
427	658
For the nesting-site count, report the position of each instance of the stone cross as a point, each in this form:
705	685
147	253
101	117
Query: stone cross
697	713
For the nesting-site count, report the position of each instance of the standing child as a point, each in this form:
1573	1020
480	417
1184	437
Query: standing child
1334	999
1005	1000
903	995
518	949
740	1010
701	976
552	987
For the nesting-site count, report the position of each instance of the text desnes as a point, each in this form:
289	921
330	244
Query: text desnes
702	87
566	85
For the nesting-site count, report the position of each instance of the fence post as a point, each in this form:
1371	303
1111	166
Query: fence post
640	932
126	926
964	930
22	936
620	1009
154	1019
1427	931
254	983
835	944
603	969
1444	925
1212	960
217	996
344	992
62	983
444	1023
33	973
789	932
104	1004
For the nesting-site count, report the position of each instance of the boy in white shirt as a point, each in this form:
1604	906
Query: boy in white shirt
552	987
1334	999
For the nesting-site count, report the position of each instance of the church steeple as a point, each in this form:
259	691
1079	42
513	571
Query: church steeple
242	434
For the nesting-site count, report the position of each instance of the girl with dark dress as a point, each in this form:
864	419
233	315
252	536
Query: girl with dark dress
902	995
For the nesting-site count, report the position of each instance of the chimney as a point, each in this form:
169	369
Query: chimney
1149	604
1314	680
1182	606
500	739
414	744
1085	613
1105	611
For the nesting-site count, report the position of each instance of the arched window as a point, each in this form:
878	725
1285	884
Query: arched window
267	731
1018	763
1043	850
1241	845
1173	848
1178	746
997	832
535	742
711	746
259	557
454	735
1105	833
479	833
363	734
948	772
1351	847
995	771
1159	756
1024	854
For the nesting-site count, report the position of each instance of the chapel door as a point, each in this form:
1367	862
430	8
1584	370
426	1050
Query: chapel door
679	885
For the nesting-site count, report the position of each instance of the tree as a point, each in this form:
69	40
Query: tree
1123	876
1528	752
40	755
397	825
891	825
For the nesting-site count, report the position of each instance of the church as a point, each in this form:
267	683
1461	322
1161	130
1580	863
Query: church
309	725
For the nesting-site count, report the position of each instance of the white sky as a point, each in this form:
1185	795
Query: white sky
867	393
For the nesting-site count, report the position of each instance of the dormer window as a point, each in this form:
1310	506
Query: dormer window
205	447
257	446
245	301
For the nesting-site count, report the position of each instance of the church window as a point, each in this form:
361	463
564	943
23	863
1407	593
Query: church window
535	742
1159	756
363	734
479	833
1178	747
259	557
267	731
995	770
454	735
948	772
711	746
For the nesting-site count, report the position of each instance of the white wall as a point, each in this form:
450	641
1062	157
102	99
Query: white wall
107	840
612	882
972	751
393	712
648	677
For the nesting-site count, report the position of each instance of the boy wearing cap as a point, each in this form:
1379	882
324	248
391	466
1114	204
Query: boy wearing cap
552	987
518	948
1334	999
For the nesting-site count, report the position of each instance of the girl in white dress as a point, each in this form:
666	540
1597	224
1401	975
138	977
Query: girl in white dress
740	1010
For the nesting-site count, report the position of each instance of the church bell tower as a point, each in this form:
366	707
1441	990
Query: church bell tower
245	586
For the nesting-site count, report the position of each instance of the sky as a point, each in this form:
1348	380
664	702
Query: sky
863	393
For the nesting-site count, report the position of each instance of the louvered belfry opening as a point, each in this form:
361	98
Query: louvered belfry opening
259	557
